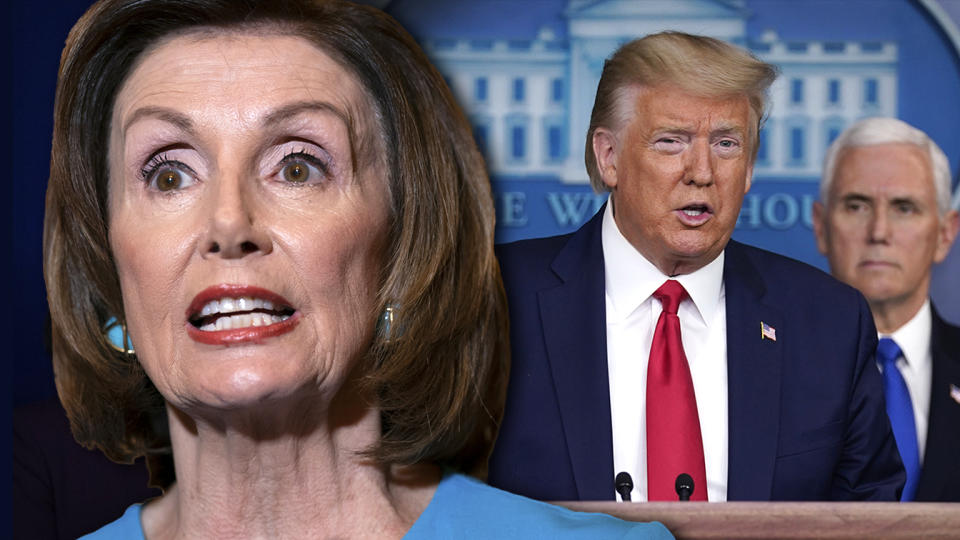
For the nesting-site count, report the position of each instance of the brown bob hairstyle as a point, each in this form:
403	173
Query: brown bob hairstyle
439	382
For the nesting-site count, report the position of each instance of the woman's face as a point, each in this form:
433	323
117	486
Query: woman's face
246	222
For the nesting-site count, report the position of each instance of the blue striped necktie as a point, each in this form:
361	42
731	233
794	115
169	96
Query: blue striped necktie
900	411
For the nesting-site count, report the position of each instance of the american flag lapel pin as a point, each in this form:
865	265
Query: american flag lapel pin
767	332
955	392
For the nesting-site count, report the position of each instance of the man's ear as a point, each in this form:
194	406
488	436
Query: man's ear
819	231
949	224
605	150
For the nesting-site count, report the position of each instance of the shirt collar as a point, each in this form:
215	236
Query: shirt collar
914	336
631	279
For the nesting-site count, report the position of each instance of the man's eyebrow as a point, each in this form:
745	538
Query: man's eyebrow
905	199
856	197
728	130
674	127
167	115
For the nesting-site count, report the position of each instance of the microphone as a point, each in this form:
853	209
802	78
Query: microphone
624	485
684	486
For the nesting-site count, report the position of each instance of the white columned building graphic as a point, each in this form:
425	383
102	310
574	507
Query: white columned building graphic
529	100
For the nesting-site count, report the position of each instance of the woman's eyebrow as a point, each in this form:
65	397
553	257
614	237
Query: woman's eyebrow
293	109
286	112
171	116
274	117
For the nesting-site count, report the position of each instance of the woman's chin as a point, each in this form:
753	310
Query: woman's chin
251	389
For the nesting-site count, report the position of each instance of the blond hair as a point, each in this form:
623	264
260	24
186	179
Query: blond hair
700	65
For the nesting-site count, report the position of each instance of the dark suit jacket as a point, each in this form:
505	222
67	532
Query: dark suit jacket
806	412
940	477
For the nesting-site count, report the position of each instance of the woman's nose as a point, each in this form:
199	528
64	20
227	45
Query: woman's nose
235	229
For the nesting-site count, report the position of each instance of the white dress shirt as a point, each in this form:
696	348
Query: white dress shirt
916	366
632	315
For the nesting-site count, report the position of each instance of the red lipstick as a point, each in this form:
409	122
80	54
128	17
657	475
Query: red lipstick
236	336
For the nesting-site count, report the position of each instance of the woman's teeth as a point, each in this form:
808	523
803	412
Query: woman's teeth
243	320
242	312
231	305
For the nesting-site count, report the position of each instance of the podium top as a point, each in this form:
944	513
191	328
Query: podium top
790	520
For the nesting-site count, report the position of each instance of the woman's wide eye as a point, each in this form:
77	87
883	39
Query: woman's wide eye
169	179
167	175
297	172
301	168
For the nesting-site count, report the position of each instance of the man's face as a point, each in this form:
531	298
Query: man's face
880	228
678	171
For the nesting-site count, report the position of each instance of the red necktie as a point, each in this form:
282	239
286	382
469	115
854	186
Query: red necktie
674	443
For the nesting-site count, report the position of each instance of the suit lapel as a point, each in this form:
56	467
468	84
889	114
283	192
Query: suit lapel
753	378
574	328
943	435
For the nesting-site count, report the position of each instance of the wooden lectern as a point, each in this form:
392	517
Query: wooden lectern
790	520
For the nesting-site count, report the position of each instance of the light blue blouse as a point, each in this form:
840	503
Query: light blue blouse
464	507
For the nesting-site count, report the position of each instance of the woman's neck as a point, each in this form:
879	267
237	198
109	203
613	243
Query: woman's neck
287	471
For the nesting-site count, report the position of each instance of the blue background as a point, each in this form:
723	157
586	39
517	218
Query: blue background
929	97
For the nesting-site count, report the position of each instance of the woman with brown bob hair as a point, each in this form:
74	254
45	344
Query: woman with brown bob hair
280	208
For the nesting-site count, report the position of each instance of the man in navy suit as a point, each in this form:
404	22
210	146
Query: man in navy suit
649	343
883	220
